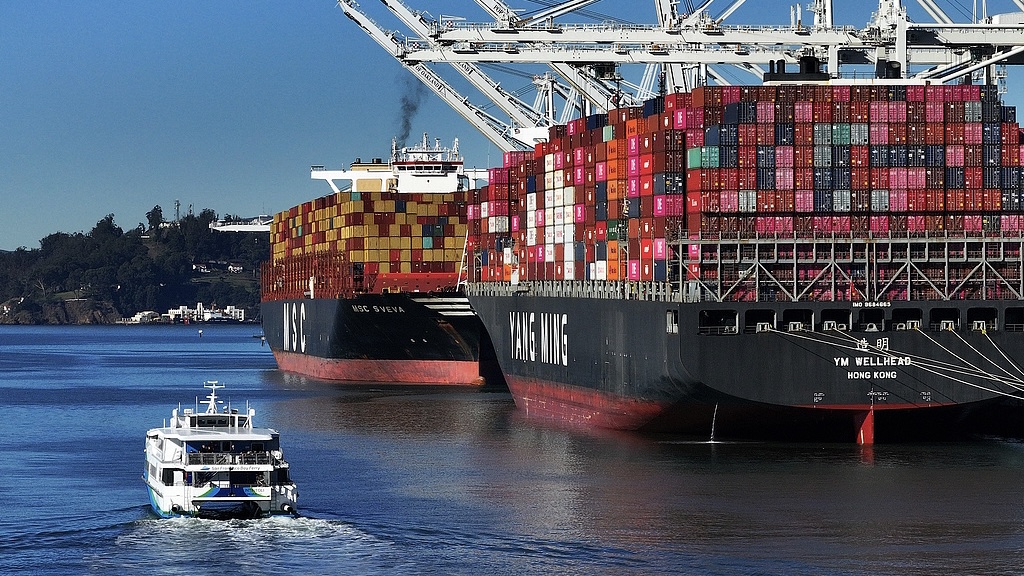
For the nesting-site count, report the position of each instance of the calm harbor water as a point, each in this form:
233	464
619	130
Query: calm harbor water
457	482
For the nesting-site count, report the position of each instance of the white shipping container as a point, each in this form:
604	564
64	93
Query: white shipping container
531	201
498	224
601	269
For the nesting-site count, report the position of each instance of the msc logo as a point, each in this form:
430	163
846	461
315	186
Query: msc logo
294	329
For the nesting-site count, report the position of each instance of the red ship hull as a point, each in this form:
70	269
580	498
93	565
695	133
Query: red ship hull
426	372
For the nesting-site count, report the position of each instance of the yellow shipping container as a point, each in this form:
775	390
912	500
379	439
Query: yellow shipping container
406	256
384	268
368	185
417	243
372	243
394	230
406	267
355	255
406	244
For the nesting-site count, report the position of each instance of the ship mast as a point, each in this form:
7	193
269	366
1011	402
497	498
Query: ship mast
576	69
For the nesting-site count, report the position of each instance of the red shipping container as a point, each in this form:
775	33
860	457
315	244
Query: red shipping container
973	133
747	157
747	179
728	201
804	200
783	156
803	156
1010	155
783	179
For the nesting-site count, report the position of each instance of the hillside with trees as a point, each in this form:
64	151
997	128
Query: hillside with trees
107	273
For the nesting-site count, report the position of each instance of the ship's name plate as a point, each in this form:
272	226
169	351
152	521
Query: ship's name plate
378	309
857	362
539	337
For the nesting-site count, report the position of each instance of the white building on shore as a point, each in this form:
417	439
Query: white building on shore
203	314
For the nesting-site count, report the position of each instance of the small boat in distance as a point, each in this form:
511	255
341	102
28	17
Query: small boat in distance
215	464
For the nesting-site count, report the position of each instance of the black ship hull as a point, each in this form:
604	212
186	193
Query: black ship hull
743	370
402	338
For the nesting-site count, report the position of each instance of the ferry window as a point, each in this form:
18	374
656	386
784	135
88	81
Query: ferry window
168	477
672	321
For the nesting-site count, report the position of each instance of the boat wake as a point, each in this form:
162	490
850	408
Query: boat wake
241	546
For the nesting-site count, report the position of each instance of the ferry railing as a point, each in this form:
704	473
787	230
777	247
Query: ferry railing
227	458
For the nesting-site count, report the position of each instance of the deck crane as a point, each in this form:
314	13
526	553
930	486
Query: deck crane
584	62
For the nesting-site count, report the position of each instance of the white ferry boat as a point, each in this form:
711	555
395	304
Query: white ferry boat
215	464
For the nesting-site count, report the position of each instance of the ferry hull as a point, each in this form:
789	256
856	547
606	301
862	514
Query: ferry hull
377	338
648	365
221	504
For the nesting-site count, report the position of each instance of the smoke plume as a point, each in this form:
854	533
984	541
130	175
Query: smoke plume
414	91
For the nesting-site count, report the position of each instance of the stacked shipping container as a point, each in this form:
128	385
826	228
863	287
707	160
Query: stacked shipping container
345	239
604	196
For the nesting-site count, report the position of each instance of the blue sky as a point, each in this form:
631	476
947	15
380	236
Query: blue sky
115	107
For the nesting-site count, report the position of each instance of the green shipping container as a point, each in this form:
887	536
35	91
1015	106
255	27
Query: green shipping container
693	158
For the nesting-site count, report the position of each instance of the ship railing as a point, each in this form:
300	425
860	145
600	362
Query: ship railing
228	458
658	291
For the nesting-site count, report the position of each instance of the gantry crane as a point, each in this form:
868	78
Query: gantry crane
683	49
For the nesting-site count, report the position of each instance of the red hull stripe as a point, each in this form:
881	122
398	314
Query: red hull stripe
580	406
430	372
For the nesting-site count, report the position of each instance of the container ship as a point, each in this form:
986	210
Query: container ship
363	284
790	260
